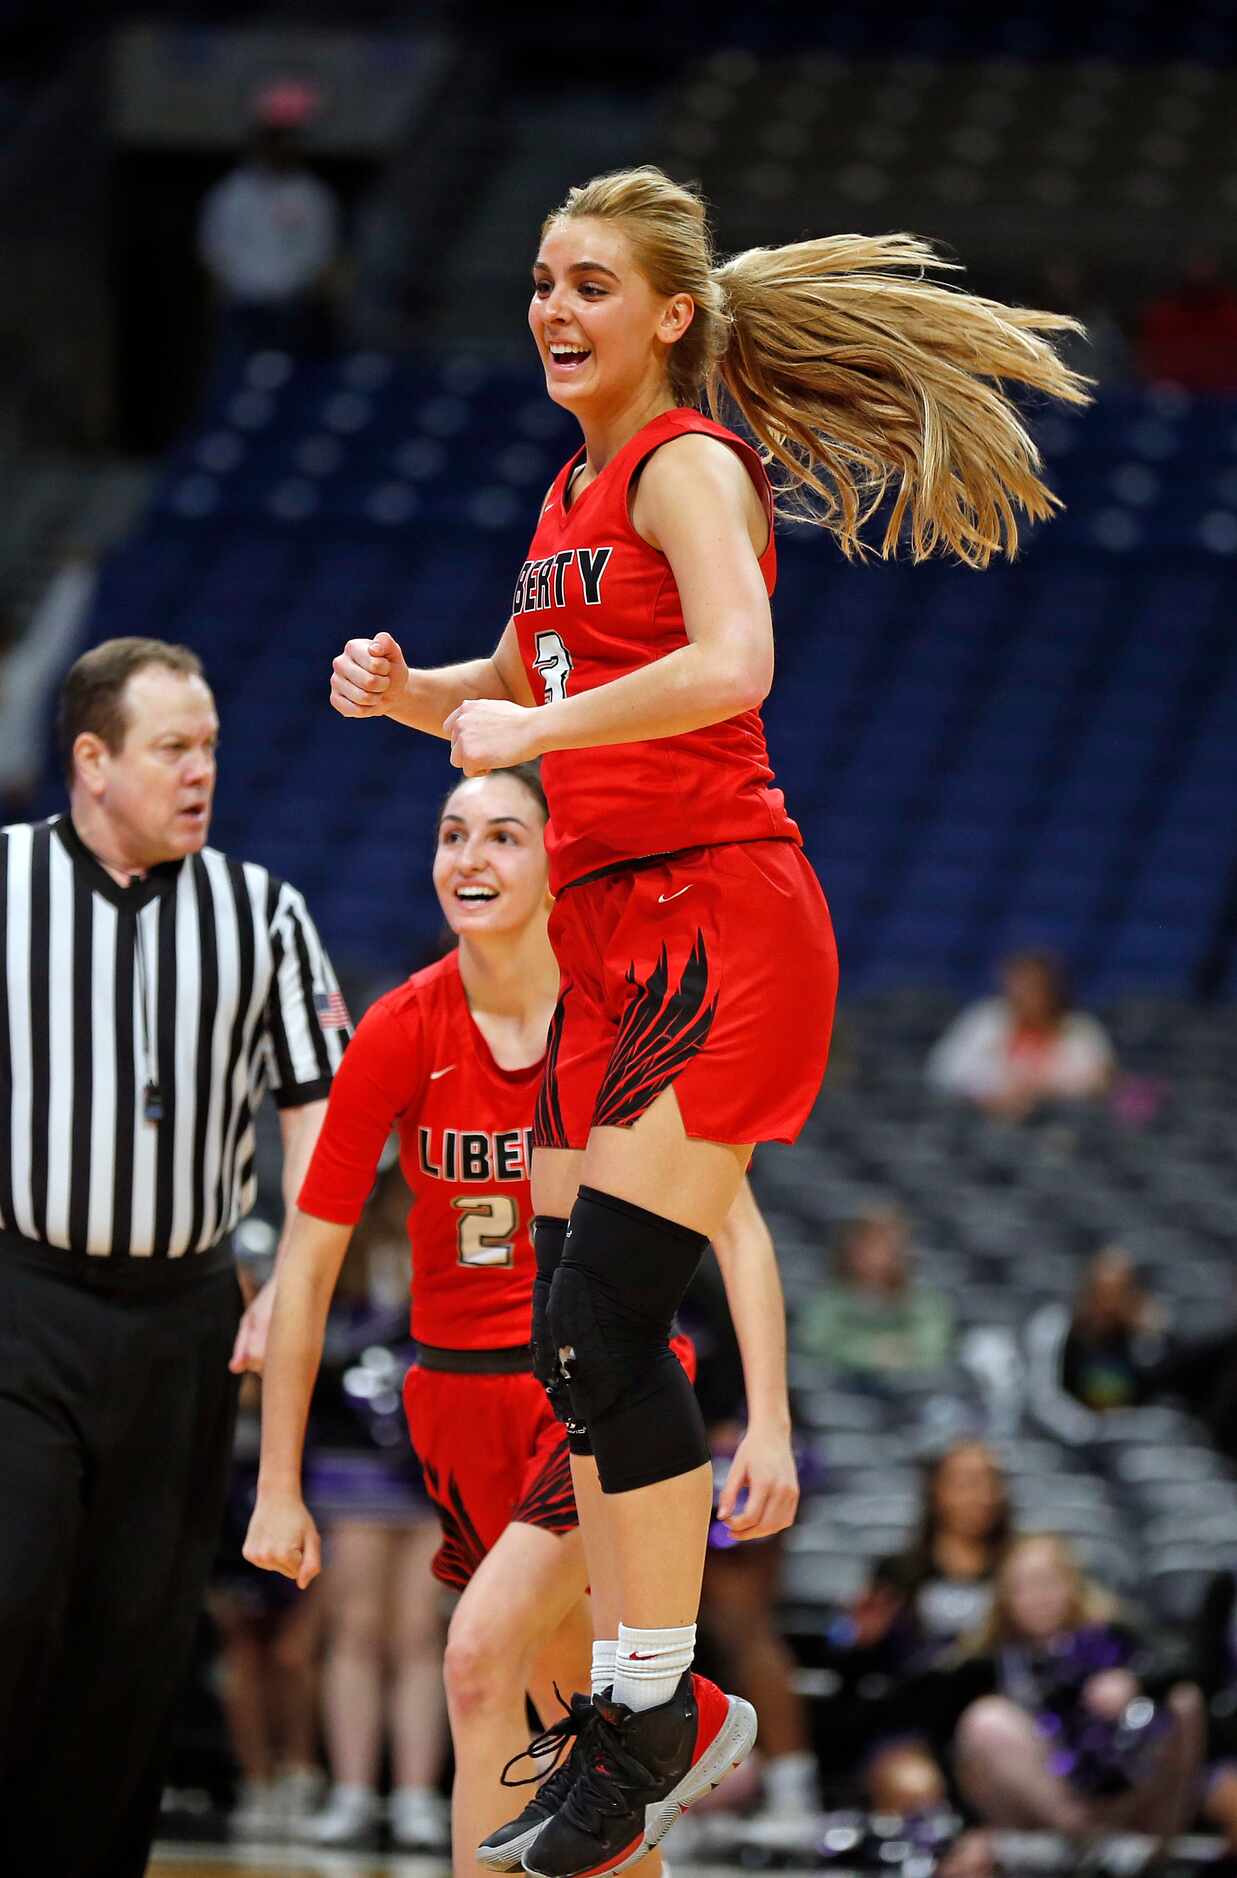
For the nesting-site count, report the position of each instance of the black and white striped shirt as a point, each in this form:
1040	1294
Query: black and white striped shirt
140	1027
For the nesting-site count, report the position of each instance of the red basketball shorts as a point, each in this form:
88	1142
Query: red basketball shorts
714	971
492	1451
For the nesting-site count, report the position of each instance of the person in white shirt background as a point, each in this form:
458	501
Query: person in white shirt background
269	231
1012	1054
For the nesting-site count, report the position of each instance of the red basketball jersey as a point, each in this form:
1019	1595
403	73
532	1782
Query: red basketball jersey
418	1063
594	602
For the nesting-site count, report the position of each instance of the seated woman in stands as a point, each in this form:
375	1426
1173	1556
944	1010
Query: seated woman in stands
1101	1356
1015	1054
1063	1736
872	1318
916	1608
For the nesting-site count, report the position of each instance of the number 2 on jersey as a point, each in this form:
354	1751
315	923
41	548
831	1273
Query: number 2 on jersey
553	661
487	1230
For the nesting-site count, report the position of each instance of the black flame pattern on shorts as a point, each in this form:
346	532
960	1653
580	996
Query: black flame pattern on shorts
661	1031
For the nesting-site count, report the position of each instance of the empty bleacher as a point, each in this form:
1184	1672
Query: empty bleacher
1043	753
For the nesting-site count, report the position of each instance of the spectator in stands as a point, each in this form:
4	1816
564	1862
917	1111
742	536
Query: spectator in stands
1104	1355
1061	1735
383	1618
268	234
1016	1053
1190	337
872	1318
916	1608
269	1646
1215	1666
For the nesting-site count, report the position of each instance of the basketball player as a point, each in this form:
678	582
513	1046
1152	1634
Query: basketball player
696	956
454	1058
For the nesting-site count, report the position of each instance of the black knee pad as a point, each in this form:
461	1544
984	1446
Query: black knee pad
623	1274
548	1235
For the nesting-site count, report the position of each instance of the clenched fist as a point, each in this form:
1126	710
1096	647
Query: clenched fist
369	677
282	1537
489	733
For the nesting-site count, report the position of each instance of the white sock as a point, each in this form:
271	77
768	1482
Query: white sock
650	1662
604	1653
355	1798
790	1783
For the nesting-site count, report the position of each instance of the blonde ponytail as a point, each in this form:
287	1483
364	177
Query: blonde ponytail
860	378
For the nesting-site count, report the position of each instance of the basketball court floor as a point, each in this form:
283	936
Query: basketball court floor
186	1861
1036	1855
175	1861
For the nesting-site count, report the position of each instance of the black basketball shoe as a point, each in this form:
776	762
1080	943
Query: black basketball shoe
638	1773
505	1847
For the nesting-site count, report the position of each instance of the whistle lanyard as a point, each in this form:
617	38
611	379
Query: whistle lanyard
152	1095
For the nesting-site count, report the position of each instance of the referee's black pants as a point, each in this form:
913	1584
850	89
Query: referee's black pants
116	1418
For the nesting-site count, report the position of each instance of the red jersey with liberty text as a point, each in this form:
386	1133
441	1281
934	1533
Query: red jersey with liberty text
593	602
418	1063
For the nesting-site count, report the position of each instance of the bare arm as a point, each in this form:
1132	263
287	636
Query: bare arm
763	1462
299	1129
696	503
282	1536
370	678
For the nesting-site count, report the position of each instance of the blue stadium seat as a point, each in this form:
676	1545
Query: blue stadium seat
1049	749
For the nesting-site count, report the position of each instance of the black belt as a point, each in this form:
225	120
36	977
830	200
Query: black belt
515	1360
124	1272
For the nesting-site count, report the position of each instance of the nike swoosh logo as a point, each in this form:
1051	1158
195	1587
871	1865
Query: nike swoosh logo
663	897
436	1073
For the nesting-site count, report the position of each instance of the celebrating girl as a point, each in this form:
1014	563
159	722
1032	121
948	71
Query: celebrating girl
698	968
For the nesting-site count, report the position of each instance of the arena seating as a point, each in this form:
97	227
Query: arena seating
1017	137
1043	753
1004	1217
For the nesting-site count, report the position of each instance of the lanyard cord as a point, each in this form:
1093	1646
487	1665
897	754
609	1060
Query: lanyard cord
152	1097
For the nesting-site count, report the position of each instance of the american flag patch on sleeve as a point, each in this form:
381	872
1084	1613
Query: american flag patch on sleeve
332	1011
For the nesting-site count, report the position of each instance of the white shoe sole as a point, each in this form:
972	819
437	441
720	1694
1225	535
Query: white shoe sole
509	1857
729	1747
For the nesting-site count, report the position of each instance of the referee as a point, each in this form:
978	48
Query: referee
151	991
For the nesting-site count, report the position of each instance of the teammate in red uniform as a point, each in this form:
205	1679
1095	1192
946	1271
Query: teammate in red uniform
453	1059
698	966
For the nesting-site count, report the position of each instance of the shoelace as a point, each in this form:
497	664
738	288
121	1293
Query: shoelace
571	1726
603	1785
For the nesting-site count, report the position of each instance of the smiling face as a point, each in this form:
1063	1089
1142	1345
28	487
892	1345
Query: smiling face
490	871
1039	1590
150	798
603	334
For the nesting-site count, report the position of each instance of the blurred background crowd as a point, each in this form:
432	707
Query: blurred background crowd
264	383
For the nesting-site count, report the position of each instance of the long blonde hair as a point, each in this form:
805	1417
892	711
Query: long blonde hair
858	375
1089	1602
